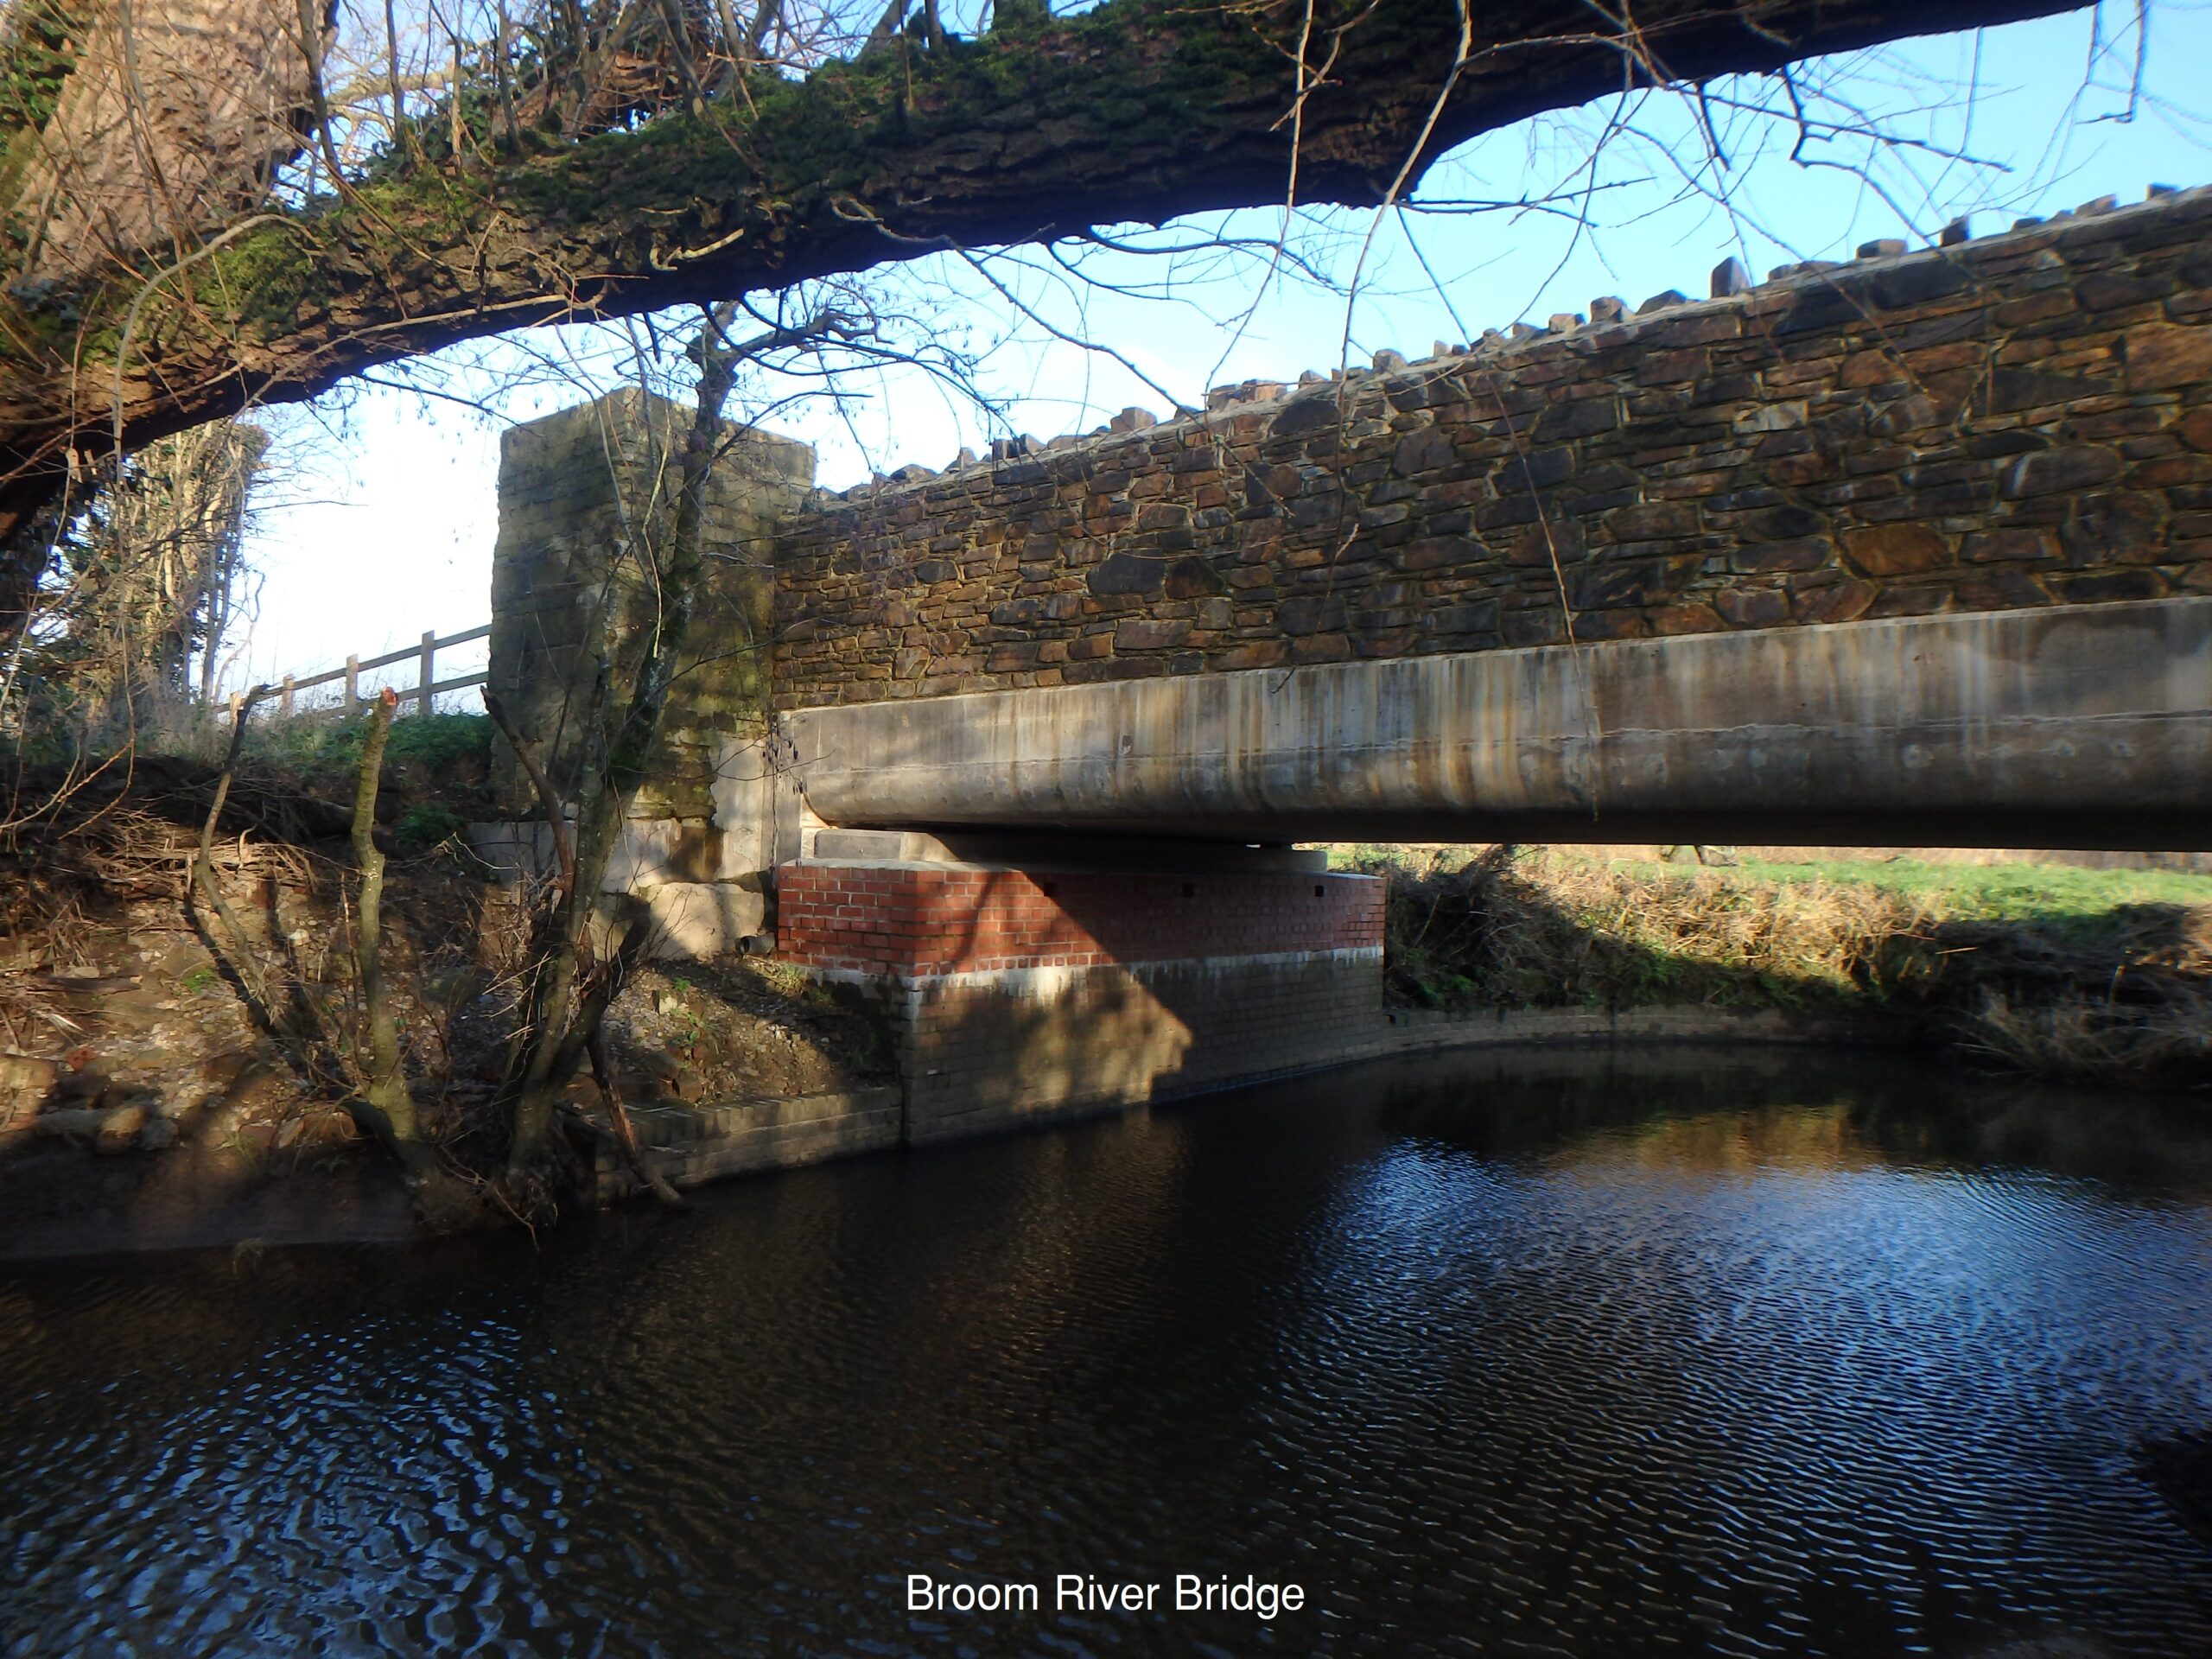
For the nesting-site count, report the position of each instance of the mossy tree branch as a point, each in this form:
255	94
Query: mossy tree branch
1141	110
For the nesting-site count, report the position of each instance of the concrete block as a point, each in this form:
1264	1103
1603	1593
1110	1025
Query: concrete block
657	852
745	793
695	921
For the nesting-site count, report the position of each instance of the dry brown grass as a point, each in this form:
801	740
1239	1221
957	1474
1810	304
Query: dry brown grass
2124	995
1533	928
2077	1035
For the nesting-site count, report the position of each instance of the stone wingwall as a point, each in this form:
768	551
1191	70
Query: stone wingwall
2021	420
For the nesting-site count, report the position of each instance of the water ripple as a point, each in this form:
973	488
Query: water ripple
1535	1355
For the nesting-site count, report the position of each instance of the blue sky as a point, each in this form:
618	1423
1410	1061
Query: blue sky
380	522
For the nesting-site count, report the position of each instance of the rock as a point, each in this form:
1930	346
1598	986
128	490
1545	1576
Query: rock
24	1085
1424	450
1127	573
1660	301
289	1134
1887	247
2076	466
1895	550
159	1135
181	1103
2161	355
81	1087
119	1129
1730	276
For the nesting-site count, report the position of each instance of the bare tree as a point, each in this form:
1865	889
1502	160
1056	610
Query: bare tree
140	590
576	962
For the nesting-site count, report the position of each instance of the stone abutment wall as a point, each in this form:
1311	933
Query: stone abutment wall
587	509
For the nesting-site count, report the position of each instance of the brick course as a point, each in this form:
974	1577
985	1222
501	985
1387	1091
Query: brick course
2021	420
922	920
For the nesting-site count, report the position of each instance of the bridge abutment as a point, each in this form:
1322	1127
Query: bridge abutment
1045	987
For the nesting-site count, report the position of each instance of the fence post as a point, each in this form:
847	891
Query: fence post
353	684
284	702
429	670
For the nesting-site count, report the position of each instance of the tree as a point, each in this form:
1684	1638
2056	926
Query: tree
140	590
577	158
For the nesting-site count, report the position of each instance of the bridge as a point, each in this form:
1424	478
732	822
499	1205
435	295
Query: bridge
1913	550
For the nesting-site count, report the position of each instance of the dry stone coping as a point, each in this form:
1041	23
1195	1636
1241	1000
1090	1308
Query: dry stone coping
1731	286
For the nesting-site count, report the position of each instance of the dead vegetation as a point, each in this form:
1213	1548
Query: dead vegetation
2124	992
143	1009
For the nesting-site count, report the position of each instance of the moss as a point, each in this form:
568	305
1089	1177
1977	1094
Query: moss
38	51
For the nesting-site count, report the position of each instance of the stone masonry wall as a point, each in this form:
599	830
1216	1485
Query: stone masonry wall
587	504
2025	420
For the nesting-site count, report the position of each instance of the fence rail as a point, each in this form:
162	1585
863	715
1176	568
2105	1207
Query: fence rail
424	691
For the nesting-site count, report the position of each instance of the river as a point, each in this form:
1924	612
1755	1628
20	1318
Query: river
1671	1352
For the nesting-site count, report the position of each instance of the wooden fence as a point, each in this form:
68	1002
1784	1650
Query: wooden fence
423	691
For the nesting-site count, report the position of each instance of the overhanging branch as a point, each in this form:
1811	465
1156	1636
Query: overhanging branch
1140	110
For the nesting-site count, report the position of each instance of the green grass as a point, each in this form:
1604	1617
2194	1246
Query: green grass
2054	894
331	748
2044	968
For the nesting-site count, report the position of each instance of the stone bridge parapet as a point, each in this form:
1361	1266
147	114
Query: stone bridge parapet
2020	421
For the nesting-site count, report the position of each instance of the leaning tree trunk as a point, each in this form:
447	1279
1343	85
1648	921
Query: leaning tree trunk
566	1001
382	1102
169	120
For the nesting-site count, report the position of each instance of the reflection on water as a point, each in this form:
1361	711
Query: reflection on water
1672	1353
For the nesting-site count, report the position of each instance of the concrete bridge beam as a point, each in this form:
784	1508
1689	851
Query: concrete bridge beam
2086	726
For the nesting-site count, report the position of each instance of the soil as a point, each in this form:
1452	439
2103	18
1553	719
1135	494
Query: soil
142	1105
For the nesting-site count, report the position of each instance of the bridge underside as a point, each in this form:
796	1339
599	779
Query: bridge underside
2086	726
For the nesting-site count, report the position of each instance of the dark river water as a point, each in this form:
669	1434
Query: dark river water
1671	1353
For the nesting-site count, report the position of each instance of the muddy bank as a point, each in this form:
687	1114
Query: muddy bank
57	1199
2078	982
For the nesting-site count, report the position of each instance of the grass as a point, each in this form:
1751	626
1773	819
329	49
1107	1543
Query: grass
329	749
2038	967
2052	895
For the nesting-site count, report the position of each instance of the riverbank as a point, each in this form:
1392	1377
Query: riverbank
2049	969
64	1197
